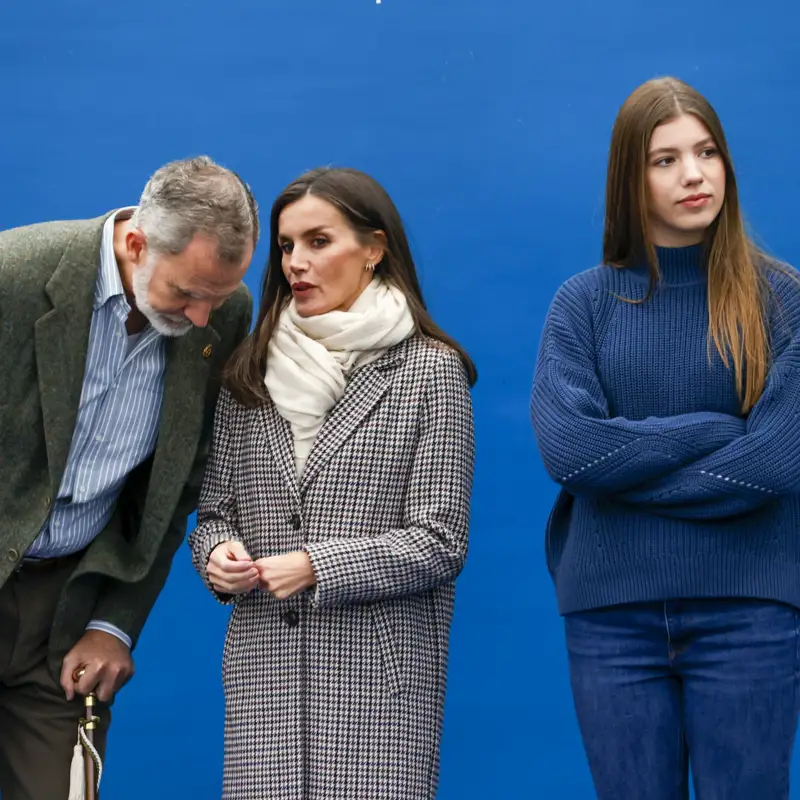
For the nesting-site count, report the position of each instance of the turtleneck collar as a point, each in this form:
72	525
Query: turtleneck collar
679	266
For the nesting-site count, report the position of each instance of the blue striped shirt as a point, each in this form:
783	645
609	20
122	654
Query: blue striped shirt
117	422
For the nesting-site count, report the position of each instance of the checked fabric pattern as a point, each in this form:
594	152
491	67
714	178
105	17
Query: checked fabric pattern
338	694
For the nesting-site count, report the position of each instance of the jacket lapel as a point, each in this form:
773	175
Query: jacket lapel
61	339
182	413
368	386
279	438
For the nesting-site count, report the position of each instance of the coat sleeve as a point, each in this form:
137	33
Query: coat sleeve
583	447
217	511
128	605
430	548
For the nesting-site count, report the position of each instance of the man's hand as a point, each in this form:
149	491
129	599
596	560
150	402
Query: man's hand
231	569
107	665
286	575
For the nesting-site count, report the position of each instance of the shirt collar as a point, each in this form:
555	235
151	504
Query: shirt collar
109	281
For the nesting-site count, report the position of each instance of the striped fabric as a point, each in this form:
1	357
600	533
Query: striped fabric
117	421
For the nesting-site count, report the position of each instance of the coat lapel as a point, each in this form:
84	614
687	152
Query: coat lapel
363	393
182	414
279	438
61	339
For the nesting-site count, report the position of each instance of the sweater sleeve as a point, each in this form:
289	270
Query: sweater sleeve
585	449
753	470
763	464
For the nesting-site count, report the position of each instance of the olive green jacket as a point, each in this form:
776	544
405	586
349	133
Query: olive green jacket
47	278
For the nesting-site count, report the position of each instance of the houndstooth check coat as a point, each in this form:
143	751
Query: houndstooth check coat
338	693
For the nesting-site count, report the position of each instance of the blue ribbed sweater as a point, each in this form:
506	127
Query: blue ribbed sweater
667	490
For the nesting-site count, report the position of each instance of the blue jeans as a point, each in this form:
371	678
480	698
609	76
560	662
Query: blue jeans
712	682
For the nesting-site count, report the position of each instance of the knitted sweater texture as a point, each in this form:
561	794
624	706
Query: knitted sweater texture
667	489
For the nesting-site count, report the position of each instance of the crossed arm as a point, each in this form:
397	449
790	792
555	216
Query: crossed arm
703	465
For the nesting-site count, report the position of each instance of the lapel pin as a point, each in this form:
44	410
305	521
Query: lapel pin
207	351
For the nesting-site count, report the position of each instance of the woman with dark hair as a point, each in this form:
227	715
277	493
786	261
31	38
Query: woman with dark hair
335	510
665	403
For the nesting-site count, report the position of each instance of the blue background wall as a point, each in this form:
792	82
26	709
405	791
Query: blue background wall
488	121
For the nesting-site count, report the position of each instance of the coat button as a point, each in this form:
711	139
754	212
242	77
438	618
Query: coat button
294	521
13	555
291	617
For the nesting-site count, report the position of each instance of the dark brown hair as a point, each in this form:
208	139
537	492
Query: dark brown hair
736	280
368	209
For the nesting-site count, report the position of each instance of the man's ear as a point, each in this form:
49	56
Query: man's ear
136	246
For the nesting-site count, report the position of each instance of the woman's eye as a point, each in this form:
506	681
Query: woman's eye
286	247
319	241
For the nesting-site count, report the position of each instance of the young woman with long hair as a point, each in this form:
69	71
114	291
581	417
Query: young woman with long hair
666	404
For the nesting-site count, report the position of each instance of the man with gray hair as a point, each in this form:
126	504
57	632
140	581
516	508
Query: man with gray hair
113	336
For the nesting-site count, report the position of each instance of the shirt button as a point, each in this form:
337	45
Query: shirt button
82	488
13	555
99	438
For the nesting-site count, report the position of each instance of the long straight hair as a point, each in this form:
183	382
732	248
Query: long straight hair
737	285
368	209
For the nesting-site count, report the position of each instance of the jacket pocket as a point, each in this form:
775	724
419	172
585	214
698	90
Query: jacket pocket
384	635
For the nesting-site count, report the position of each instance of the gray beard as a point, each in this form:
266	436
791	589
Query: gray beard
165	324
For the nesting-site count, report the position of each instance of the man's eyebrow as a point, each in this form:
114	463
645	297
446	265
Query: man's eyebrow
196	295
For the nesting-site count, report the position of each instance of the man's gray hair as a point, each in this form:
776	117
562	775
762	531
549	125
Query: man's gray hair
197	196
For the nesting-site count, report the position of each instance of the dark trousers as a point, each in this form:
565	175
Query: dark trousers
38	727
707	684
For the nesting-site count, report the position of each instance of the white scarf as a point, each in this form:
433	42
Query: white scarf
310	359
